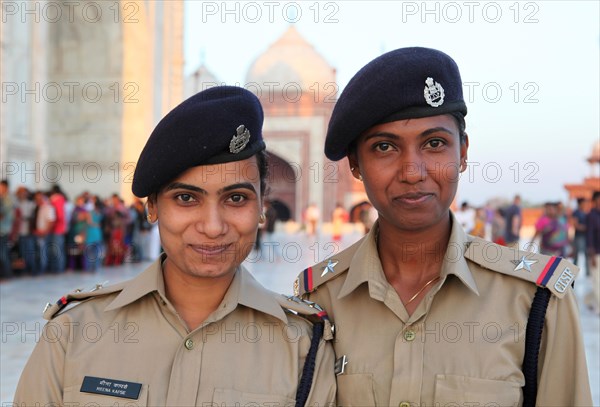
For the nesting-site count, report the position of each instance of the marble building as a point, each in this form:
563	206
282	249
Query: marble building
83	84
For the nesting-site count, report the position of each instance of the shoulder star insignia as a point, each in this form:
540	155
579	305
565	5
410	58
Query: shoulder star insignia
329	267
523	264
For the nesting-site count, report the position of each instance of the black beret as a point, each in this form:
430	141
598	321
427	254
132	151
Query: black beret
406	83
218	125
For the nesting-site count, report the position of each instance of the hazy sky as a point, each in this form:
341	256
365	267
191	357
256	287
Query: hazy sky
530	72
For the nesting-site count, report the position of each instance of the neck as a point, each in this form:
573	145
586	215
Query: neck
413	256
194	298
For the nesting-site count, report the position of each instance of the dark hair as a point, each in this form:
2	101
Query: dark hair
262	160
596	195
4	182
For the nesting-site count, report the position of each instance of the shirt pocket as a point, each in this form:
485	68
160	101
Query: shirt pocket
355	390
235	398
460	390
76	397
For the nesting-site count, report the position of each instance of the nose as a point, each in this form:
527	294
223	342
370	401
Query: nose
413	168
211	222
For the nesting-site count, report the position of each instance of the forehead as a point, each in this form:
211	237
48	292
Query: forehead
222	174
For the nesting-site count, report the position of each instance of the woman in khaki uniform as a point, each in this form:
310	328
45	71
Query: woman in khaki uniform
426	315
195	328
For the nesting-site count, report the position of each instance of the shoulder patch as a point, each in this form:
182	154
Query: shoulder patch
308	310
554	273
78	295
312	277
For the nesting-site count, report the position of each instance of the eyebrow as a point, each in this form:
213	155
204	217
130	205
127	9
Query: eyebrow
396	137
189	187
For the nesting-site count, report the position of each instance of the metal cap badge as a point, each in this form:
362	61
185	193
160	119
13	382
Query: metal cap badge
239	140
434	93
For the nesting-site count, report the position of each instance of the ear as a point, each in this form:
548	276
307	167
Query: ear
353	164
464	147
151	204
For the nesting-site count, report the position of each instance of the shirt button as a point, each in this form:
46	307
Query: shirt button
409	336
404	404
189	344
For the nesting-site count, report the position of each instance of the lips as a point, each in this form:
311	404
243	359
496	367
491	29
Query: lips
210	249
413	198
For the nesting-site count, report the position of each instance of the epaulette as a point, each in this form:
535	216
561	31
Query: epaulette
308	310
78	295
554	273
312	277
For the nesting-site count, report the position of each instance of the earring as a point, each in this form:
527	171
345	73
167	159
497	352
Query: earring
262	218
360	178
149	217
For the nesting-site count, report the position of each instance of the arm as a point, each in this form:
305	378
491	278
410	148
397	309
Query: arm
562	357
41	382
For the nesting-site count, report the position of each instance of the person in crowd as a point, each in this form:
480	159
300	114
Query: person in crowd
552	231
592	225
339	218
203	171
117	220
498	227
479	223
578	245
513	222
26	225
7	213
76	236
466	217
56	249
312	216
413	300
93	238
45	218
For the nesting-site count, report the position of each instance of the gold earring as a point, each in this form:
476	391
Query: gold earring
360	178
149	217
262	219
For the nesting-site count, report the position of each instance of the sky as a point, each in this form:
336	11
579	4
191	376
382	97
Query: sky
530	72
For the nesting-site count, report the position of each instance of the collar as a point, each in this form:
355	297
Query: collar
247	291
148	281
244	289
365	265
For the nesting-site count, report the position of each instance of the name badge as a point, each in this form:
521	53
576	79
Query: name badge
111	387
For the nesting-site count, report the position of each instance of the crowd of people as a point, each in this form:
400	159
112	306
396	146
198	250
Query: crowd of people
45	232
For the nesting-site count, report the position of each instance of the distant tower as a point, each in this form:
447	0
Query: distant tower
591	183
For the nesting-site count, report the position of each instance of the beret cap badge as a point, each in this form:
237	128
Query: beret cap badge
434	93
239	140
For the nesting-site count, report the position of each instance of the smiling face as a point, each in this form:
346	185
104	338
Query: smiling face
208	218
410	169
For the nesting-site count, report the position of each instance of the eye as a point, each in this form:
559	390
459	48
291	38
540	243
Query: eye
435	143
237	198
383	147
185	198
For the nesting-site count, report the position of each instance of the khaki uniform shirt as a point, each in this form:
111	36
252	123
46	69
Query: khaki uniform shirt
464	344
249	352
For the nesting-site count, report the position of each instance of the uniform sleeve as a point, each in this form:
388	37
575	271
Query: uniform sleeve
322	393
563	374
41	383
